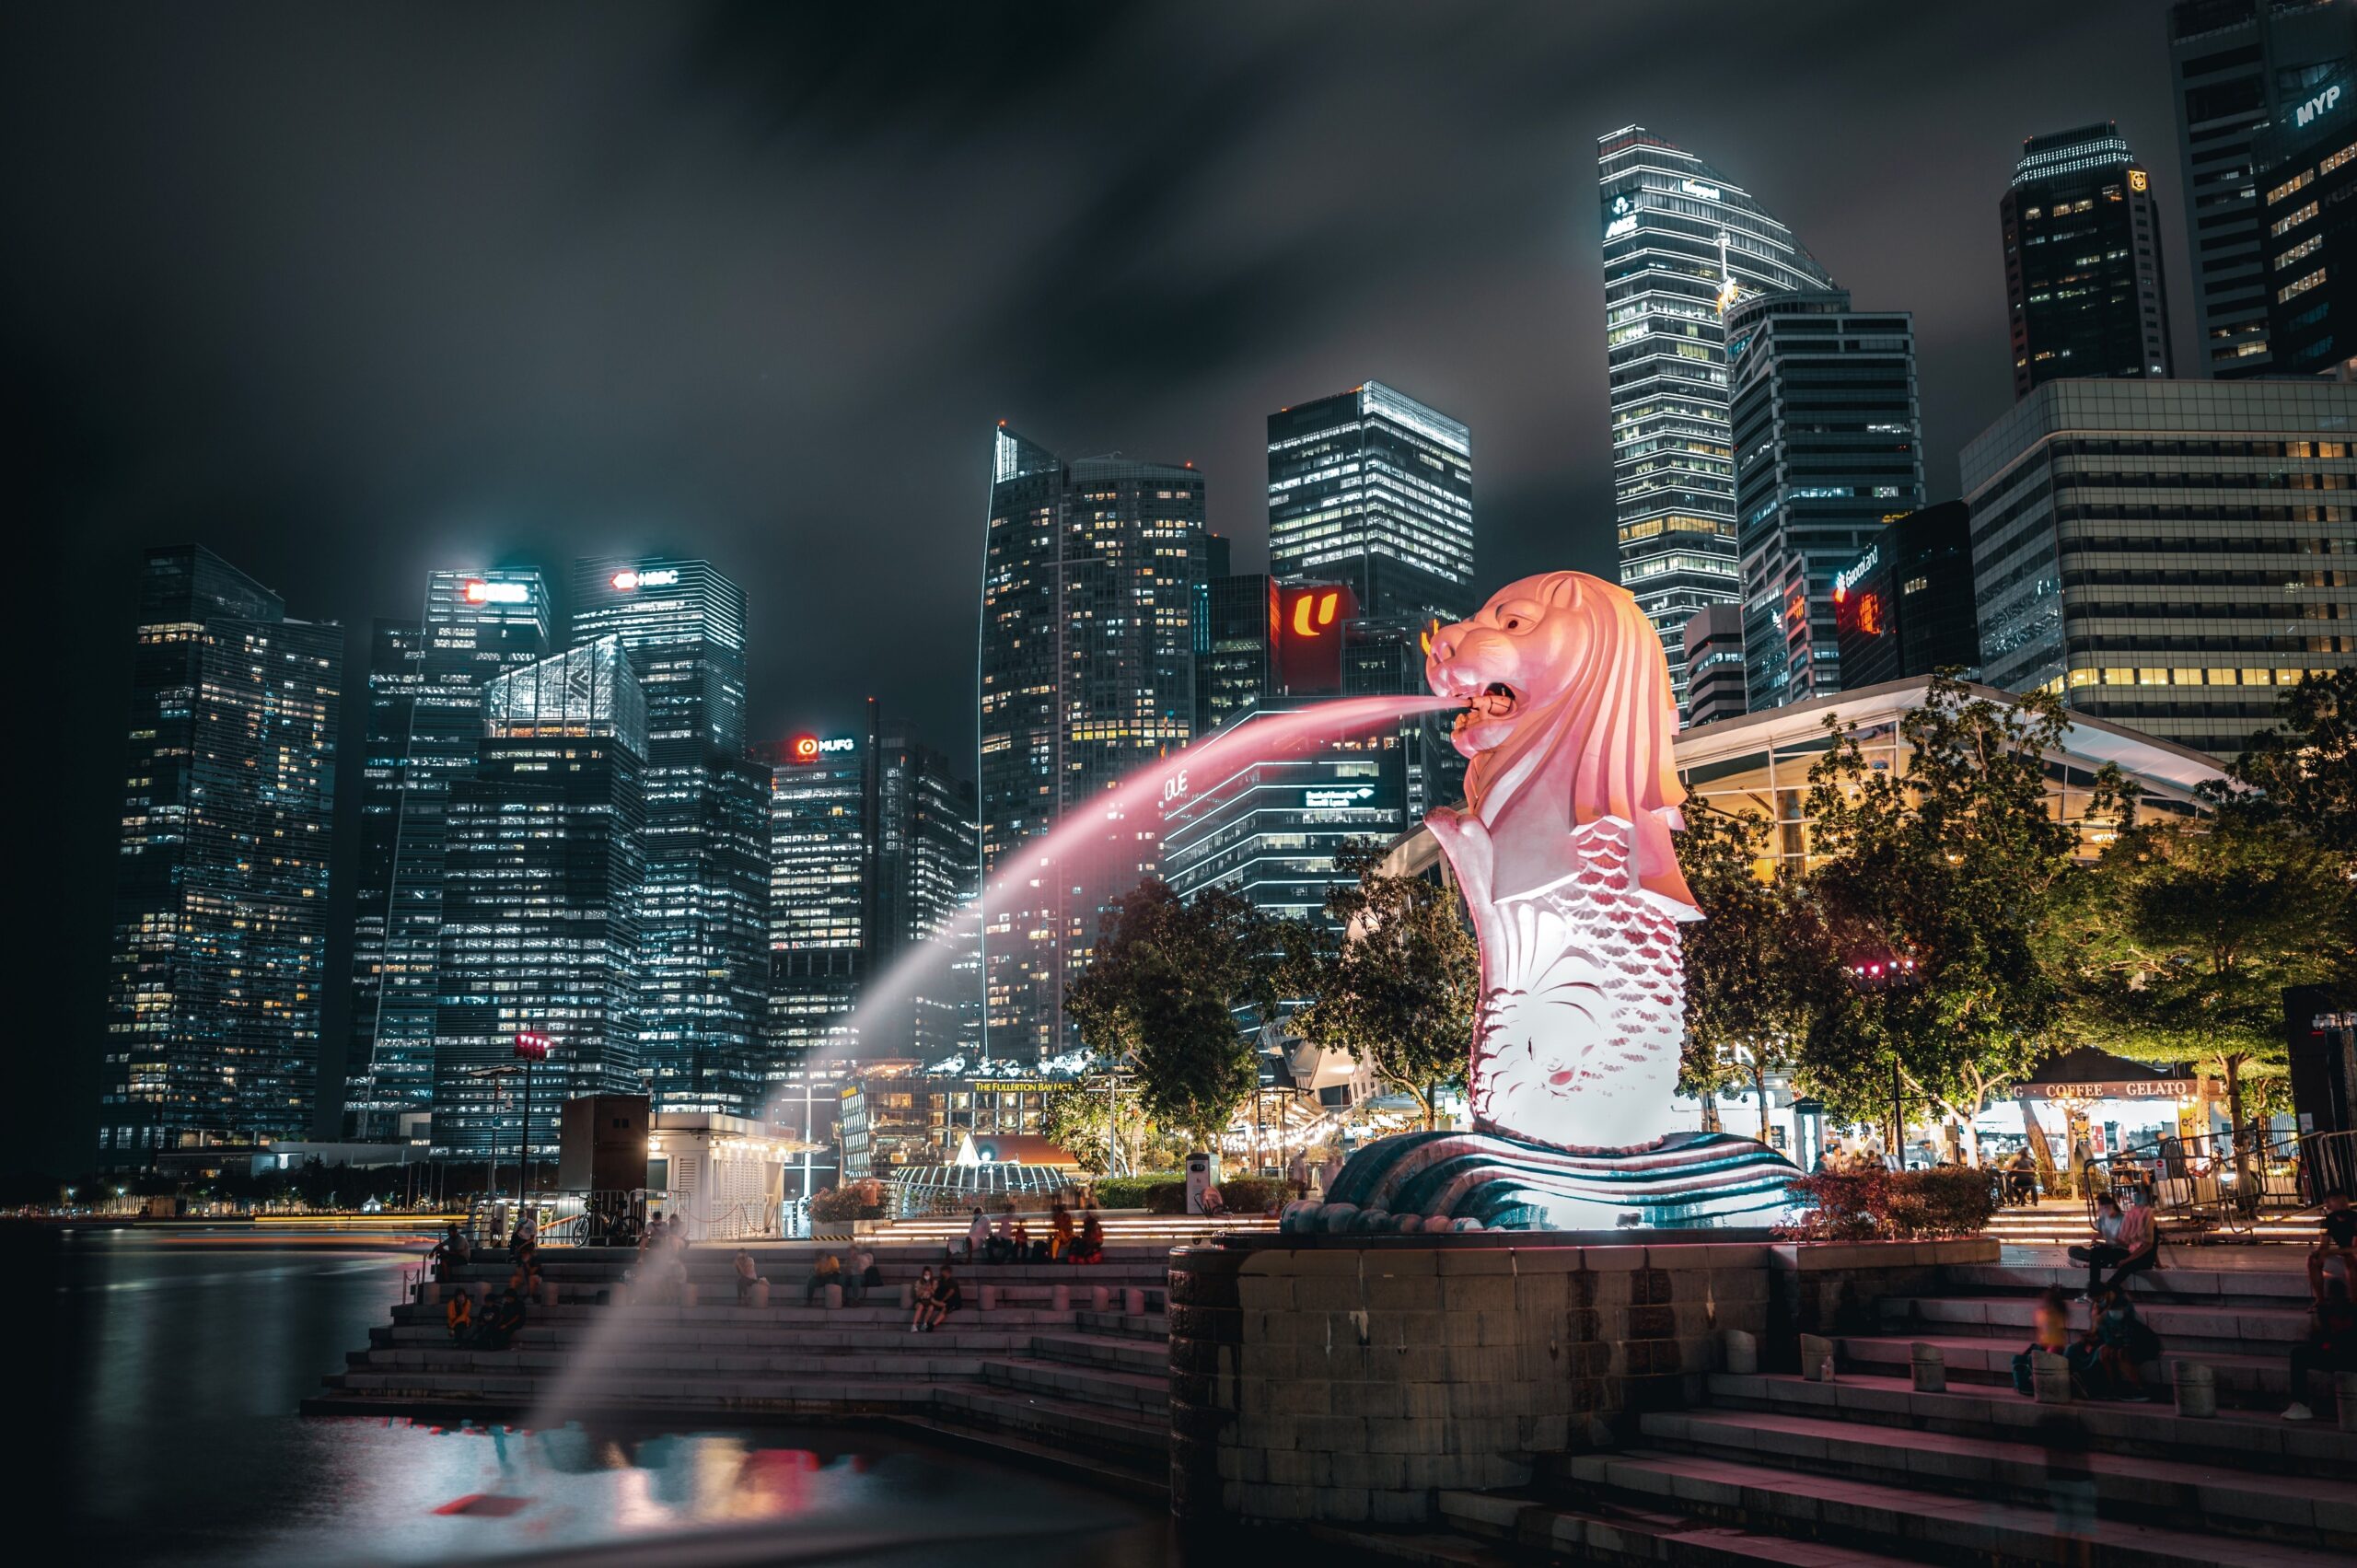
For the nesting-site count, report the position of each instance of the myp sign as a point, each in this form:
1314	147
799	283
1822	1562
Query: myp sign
2315	108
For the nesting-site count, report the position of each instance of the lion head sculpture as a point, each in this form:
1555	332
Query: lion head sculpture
1568	721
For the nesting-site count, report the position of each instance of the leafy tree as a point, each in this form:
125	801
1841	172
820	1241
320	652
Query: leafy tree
2303	770
1077	1117
1747	968
2191	934
1397	989
1955	864
1163	992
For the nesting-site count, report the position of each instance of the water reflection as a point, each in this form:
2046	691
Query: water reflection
179	1360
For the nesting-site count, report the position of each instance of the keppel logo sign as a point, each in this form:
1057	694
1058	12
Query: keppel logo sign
628	581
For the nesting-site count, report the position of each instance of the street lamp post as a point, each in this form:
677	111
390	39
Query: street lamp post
1879	970
530	1046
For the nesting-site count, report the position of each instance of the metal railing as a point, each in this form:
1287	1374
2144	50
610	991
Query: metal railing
2205	1183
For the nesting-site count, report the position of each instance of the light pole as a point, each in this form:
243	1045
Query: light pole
530	1046
1875	970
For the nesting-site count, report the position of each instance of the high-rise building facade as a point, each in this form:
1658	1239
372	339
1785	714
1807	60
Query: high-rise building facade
1713	647
1681	245
821	898
425	691
1827	447
219	937
1235	635
1087	673
1905	606
928	864
2235	65
2167	554
2083	261
702	911
2306	172
1374	490
541	870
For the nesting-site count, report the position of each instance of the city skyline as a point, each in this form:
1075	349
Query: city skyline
317	522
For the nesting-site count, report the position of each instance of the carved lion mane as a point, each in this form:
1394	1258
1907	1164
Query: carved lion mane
1590	739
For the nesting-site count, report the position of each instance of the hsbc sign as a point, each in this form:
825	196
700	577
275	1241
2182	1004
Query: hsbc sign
629	581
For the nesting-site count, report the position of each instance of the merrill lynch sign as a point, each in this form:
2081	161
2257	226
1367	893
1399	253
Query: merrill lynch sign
2147	1088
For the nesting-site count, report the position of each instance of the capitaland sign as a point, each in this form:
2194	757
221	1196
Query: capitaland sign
630	580
1843	581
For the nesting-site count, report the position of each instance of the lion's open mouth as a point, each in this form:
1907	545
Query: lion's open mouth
1495	700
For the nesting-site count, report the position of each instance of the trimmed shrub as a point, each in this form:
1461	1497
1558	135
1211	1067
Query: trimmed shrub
1156	1194
860	1201
1253	1194
1884	1206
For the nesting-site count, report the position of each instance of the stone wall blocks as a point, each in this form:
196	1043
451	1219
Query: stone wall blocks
1501	1329
1428	1438
1330	1293
1459	1262
1493	1292
1400	1507
1408	1294
1368	1399
1333	1433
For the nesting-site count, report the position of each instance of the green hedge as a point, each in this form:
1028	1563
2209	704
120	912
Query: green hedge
1167	1194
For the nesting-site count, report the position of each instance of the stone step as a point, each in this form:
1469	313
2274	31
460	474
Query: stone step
1124	1352
2242	1378
1906	1521
1153	1326
1634	1536
567	1389
938	1362
879	1338
2192	1496
666	1319
2185	1328
1068	1423
2246	1440
2172	1285
1127	1391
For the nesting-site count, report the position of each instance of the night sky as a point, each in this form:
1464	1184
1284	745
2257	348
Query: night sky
349	292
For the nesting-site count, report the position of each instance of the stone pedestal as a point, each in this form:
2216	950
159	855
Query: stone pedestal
1353	1378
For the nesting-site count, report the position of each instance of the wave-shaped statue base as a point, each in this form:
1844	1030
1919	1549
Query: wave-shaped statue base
1436	1181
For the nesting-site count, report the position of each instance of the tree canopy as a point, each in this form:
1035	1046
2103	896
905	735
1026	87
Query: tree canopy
2301	770
1397	989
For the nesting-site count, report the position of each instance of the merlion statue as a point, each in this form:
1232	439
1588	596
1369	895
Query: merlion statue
1564	855
1563	852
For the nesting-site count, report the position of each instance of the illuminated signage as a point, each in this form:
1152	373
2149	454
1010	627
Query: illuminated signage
2138	181
477	591
627	581
1870	614
1696	188
1333	799
1175	788
808	748
1309	624
1619	226
2324	102
1843	581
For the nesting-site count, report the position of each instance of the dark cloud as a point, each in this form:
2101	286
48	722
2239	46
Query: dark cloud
350	292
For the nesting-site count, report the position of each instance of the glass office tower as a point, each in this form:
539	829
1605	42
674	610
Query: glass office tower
1371	488
541	867
928	860
2307	174
702	911
219	937
2083	261
1905	606
425	690
1089	570
822	852
1827	449
2235	65
1681	245
2167	554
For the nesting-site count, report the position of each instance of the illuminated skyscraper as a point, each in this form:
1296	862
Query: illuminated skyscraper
1089	570
541	867
1681	245
1827	449
2236	66
2083	261
704	909
425	690
1371	488
220	926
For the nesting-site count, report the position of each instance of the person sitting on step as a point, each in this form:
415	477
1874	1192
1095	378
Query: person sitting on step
458	1315
453	1251
947	1298
748	1278
2329	1346
1090	1248
977	1237
828	1271
2336	1249
923	1296
2126	1243
2124	1349
504	1322
2050	1331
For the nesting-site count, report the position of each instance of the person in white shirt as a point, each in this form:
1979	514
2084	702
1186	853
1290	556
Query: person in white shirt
978	1236
2126	1243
